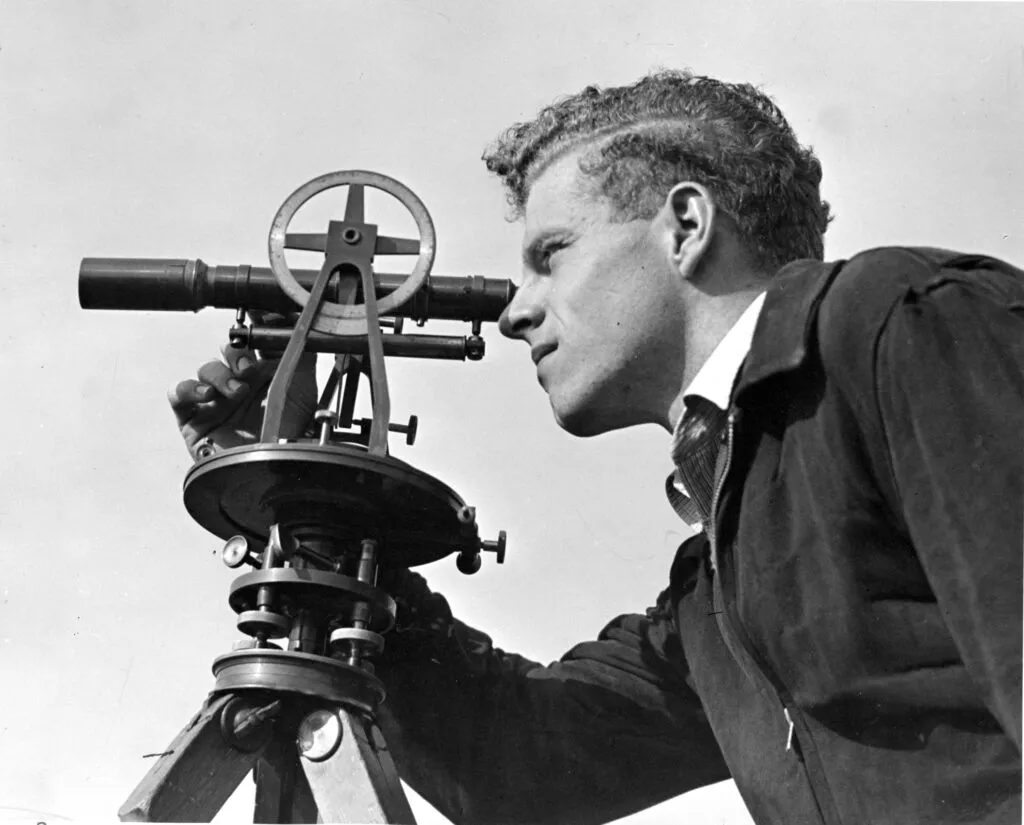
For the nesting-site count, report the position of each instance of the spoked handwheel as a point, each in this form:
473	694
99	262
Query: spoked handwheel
340	319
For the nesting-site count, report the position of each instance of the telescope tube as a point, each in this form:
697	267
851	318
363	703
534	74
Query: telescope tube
179	285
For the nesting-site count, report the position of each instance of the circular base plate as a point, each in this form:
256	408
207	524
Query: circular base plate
286	671
350	493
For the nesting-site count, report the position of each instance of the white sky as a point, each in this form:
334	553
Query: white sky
175	129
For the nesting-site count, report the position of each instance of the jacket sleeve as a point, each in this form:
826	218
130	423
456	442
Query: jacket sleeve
488	736
950	394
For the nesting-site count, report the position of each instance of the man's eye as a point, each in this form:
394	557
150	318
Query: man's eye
544	259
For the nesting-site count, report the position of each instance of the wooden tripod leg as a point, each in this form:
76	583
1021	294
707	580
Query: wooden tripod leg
195	775
282	791
358	781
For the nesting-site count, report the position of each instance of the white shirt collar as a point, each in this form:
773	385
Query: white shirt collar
714	380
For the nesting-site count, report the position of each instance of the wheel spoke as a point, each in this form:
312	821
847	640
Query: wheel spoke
354	206
396	246
304	240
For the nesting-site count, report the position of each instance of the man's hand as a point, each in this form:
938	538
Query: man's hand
222	406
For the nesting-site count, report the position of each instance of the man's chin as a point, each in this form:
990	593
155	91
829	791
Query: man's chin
579	422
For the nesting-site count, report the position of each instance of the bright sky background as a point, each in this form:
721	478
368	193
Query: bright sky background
176	129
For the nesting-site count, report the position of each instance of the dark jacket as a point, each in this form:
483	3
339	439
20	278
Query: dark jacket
846	645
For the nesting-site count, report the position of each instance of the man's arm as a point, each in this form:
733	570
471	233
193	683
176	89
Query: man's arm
487	736
950	394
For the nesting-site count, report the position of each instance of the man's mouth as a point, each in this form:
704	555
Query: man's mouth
540	351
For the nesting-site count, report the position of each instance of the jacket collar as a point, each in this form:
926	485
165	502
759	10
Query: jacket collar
784	328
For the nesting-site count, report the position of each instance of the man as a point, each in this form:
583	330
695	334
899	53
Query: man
843	636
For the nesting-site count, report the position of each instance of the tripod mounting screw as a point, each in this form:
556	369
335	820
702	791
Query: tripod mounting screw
319	735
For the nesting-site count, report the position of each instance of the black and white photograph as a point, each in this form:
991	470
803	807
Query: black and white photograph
526	413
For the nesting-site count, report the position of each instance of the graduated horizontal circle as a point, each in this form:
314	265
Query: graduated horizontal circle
340	319
348	492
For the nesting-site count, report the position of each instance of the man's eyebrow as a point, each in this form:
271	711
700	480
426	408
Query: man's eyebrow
539	241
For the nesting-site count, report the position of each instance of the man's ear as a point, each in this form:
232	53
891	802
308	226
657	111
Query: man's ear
687	221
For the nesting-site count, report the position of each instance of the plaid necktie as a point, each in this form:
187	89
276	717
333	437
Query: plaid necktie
694	451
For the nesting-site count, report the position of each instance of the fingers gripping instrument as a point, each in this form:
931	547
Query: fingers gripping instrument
315	518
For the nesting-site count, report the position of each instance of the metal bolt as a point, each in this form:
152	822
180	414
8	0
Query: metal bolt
351	236
367	571
319	735
203	448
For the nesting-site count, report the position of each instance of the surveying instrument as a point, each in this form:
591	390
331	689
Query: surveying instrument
316	517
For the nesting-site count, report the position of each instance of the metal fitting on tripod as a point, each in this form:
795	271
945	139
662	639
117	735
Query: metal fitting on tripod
245	724
319	735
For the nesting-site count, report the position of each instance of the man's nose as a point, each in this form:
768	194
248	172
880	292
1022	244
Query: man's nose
524	312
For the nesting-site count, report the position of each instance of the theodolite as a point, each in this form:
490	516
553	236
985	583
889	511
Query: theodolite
316	517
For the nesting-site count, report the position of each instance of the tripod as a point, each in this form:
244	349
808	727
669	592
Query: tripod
314	760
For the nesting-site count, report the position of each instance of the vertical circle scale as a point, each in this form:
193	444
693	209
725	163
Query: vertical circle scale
340	319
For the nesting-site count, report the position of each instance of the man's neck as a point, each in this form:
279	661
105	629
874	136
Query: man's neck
713	322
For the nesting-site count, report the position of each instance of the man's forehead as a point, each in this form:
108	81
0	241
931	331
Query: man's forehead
558	195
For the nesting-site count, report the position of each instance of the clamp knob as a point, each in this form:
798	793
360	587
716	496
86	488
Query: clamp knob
497	546
409	429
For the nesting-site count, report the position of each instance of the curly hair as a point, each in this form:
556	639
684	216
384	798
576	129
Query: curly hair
638	141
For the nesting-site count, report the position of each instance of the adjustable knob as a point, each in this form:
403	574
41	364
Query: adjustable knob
409	429
497	547
236	552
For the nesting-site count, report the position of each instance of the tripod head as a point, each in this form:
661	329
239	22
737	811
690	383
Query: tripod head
319	516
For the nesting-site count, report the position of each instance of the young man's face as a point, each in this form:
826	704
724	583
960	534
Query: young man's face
599	306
